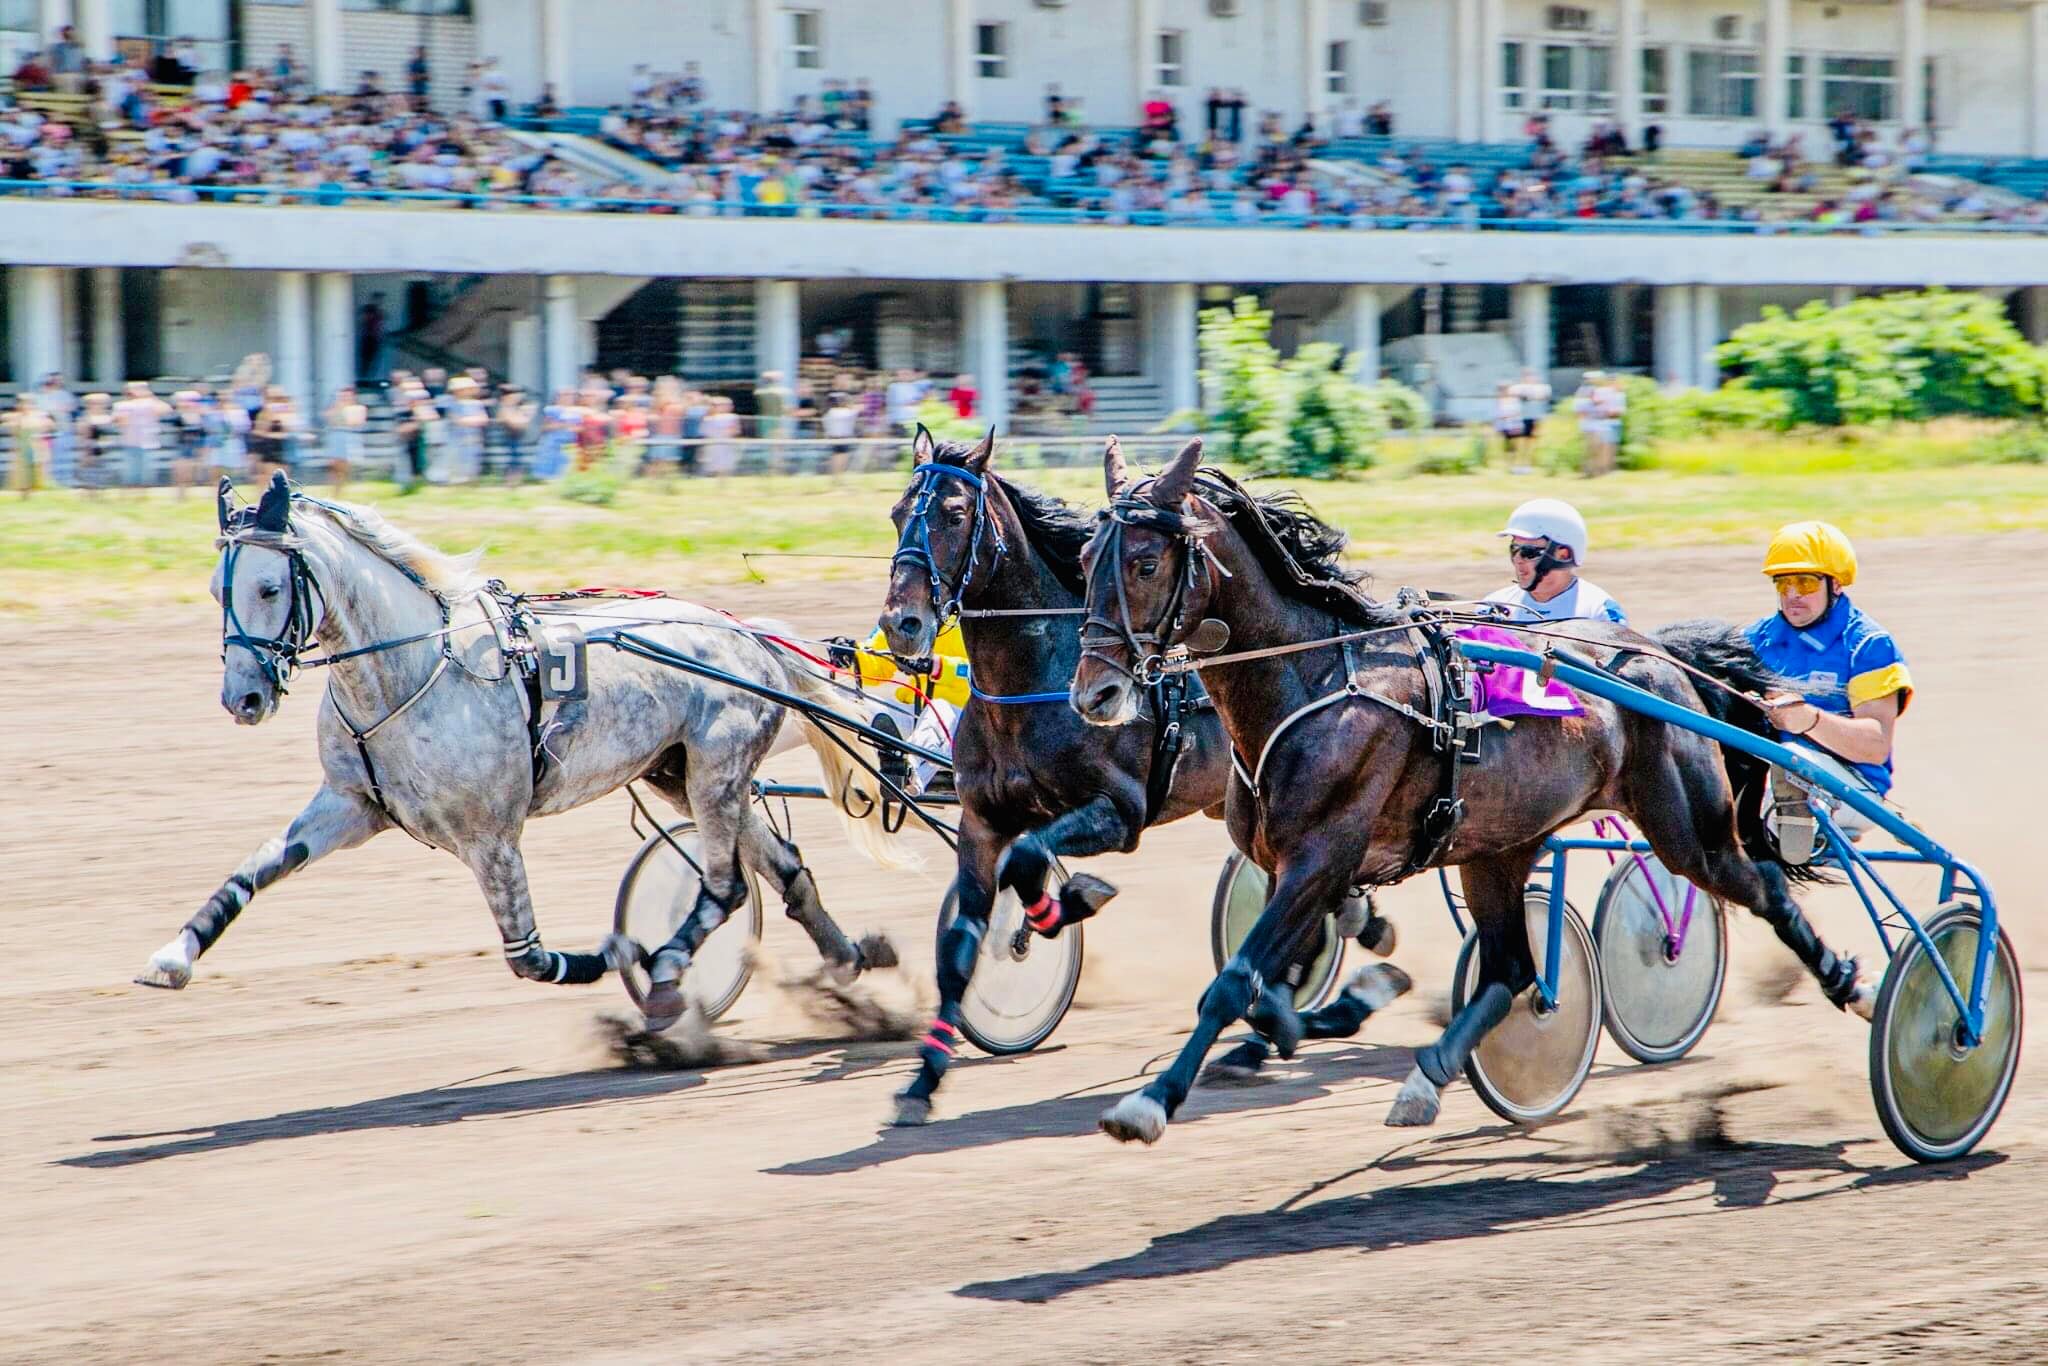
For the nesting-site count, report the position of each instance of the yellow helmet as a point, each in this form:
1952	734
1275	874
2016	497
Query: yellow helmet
1812	548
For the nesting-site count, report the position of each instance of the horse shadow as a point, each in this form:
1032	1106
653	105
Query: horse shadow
1429	1210
459	1101
1312	1073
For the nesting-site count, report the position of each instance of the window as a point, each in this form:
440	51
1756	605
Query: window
1514	86
1863	87
1720	84
1597	77
1372	13
992	51
1574	76
1656	80
1557	76
1337	69
1795	87
1172	51
1568	19
806	39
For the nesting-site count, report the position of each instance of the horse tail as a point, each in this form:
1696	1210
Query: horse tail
853	789
1725	652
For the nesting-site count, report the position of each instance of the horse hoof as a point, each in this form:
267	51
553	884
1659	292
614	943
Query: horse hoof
663	1007
621	952
1417	1105
1379	985
877	952
1379	937
1862	1002
1136	1116
911	1111
171	974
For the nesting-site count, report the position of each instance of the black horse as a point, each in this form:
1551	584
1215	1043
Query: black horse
1339	745
1034	781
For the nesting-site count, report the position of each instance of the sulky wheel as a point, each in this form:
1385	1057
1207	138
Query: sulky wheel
658	890
1014	1002
1240	898
1658	997
1935	1096
1534	1061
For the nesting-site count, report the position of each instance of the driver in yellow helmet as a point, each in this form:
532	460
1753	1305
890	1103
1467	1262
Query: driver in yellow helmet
1850	678
928	722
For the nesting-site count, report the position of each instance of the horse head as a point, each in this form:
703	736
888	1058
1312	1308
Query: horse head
270	608
1146	589
944	540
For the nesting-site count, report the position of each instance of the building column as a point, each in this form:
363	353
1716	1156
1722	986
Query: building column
1841	296
767	56
524	363
1912	87
1777	51
985	348
1362	331
334	333
778	329
1176	323
2034	313
960	69
562	333
323	30
1530	305
1706	332
1628	67
109	328
2037	80
36	320
95	24
290	330
1464	58
51	15
1144	50
1675	351
554	49
1315	61
1621	325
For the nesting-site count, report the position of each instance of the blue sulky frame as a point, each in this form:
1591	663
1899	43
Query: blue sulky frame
1859	867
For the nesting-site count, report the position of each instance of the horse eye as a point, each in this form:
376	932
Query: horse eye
956	516
1147	568
270	590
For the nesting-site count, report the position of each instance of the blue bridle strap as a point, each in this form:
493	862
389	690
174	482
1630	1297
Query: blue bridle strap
1016	699
924	485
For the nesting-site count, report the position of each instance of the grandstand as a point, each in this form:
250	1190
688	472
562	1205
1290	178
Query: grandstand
1455	188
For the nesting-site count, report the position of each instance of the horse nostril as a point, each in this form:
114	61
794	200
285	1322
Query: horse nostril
1099	701
908	625
251	703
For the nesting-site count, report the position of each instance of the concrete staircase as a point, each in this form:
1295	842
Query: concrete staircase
1726	176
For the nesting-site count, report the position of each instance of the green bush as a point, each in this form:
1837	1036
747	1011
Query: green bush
1903	357
596	486
1306	416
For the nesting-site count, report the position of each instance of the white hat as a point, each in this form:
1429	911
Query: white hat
1550	519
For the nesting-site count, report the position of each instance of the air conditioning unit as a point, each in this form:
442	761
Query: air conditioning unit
1052	4
1372	13
1568	19
1727	28
1224	9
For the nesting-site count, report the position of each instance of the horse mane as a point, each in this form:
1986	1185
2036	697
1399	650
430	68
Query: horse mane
1057	529
451	576
1300	552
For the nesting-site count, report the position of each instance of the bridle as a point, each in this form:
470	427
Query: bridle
914	546
280	655
1150	648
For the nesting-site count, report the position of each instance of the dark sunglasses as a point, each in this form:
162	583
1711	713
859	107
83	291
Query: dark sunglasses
1528	552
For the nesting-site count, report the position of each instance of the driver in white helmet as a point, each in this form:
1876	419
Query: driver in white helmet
1546	545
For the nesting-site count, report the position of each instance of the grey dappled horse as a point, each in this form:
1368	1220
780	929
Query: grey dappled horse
425	727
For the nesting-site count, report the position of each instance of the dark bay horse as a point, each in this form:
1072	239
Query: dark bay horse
1033	780
1336	744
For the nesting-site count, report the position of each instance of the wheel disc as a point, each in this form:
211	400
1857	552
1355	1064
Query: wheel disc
1240	899
1533	1062
1014	1003
1935	1097
657	892
1657	1006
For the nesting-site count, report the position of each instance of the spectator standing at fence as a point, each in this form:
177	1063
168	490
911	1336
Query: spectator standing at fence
721	426
61	407
188	435
270	436
345	419
593	429
468	417
513	423
419	78
28	430
1532	395
67	61
559	421
227	437
1600	405
839	425
904	394
963	396
98	430
140	415
370	340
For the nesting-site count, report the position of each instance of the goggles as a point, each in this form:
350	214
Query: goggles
1799	585
1528	552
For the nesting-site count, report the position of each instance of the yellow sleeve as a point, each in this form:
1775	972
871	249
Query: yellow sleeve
1892	678
875	667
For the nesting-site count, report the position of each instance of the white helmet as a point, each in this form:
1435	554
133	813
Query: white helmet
1550	519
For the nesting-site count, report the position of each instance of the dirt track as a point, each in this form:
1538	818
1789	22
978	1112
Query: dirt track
358	1136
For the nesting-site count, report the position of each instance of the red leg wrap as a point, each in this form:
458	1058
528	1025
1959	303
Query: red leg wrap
1044	914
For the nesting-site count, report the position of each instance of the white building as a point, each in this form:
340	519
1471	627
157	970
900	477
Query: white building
104	290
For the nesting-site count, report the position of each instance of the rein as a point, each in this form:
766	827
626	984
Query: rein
1150	649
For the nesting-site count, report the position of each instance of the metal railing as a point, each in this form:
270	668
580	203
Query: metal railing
338	196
